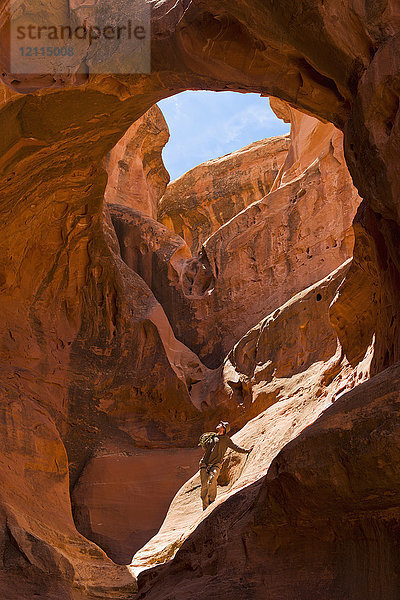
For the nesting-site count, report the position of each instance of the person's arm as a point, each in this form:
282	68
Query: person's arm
231	444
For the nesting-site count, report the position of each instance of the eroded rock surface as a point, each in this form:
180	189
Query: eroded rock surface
121	498
328	504
198	203
87	352
137	176
81	334
257	260
281	244
285	397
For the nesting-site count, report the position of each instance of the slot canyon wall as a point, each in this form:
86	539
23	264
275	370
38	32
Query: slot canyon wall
121	340
258	257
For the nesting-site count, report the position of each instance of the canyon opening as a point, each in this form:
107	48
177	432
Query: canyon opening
259	287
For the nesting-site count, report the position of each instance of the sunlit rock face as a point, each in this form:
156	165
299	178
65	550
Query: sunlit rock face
136	173
294	236
202	200
284	374
327	505
253	263
89	359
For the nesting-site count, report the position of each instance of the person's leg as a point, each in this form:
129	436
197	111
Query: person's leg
204	487
212	483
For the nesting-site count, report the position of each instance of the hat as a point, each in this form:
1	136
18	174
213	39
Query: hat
226	426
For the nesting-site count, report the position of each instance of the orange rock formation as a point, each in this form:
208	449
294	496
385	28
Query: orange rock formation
93	357
291	369
259	258
198	203
136	173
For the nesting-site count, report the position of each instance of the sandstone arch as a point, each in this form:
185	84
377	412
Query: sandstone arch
59	350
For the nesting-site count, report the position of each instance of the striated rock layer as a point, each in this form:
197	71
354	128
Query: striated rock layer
257	260
198	203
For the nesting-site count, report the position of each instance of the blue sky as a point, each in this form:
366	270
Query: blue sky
205	125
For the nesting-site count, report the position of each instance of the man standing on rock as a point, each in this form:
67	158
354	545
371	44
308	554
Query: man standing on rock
210	465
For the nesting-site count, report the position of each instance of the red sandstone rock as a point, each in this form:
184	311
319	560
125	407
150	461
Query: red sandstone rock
328	505
372	144
198	203
121	498
87	355
136	174
366	304
262	256
287	342
288	240
271	49
287	378
42	552
73	316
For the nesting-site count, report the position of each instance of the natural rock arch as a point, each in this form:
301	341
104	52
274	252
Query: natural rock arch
341	65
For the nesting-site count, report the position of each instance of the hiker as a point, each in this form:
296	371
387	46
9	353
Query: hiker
215	445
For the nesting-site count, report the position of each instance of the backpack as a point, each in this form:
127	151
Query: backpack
206	439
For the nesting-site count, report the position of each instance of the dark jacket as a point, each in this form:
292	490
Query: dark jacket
214	453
